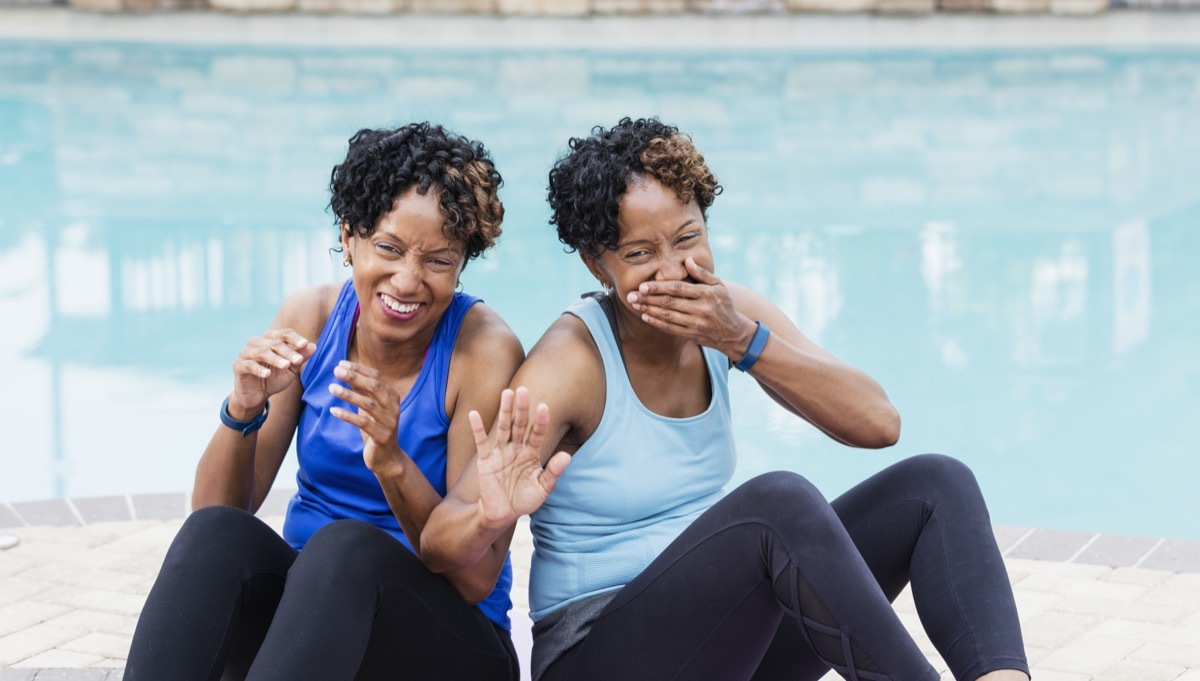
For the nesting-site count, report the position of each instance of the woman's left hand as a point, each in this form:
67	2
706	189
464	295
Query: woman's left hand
701	312
378	414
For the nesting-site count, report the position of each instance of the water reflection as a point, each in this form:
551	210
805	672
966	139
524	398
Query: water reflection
1005	240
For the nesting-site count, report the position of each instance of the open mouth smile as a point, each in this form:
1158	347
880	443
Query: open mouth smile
396	309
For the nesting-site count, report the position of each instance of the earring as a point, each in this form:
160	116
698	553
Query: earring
458	285
346	261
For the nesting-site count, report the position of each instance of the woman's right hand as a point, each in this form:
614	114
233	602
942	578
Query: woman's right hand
512	480
266	366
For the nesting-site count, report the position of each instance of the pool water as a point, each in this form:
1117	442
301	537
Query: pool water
1006	240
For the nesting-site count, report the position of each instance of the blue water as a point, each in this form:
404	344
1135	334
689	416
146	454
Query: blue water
1007	241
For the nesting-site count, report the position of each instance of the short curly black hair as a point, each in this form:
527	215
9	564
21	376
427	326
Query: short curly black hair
587	183
383	164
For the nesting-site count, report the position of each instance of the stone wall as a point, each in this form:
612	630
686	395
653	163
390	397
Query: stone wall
584	8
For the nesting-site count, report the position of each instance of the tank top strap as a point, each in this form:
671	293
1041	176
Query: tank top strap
335	336
589	311
437	357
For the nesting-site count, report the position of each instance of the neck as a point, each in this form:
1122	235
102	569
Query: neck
393	359
643	341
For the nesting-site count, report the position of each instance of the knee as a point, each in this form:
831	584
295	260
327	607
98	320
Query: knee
777	490
213	526
941	476
349	550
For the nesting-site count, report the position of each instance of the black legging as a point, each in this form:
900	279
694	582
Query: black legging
712	606
234	601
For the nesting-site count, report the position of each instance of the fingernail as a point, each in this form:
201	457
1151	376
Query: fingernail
340	372
296	358
335	388
632	297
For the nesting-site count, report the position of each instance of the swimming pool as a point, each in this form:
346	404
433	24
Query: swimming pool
1005	239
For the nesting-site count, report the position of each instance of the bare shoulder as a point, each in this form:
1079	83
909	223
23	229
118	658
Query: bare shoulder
567	340
564	369
485	337
307	310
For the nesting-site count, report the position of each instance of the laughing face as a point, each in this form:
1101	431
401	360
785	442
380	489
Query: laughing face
658	233
405	271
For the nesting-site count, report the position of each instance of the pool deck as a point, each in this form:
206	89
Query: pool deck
1104	607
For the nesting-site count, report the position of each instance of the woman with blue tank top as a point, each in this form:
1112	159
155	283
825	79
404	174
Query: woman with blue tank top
374	378
643	567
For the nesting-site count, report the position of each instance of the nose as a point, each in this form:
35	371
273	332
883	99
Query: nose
671	269
407	277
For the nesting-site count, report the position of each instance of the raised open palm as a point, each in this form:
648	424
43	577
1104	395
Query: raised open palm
512	480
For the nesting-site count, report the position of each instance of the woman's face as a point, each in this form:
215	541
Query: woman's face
658	232
406	271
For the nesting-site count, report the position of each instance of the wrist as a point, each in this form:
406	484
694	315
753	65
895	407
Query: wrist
736	348
757	343
490	525
241	411
388	466
245	426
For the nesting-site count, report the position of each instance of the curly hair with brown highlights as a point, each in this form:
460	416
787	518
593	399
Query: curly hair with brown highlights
381	165
587	183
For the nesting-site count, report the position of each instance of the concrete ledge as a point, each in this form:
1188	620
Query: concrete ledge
793	32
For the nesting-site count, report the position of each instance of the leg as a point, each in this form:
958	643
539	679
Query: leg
709	606
359	605
925	519
213	599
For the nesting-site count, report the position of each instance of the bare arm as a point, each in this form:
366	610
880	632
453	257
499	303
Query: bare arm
844	402
239	471
486	356
513	471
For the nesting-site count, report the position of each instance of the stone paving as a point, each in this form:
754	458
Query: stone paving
1101	607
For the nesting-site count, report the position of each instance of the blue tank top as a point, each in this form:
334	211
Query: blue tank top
632	487
333	481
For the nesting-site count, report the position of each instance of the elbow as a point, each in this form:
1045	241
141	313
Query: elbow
472	583
431	557
889	430
475	591
884	431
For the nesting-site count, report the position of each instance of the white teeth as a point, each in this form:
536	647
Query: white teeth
394	304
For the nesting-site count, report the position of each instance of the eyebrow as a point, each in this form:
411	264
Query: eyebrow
678	229
392	237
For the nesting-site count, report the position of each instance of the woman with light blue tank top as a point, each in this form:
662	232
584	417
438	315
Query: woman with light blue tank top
643	567
375	379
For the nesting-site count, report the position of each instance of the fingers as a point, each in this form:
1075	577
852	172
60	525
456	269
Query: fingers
520	413
276	350
293	340
665	320
504	418
360	377
549	476
482	445
378	405
699	273
541	424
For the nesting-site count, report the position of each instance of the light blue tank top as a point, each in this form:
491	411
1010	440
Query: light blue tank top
632	487
334	482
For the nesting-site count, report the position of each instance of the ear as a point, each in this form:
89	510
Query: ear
597	269
346	236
